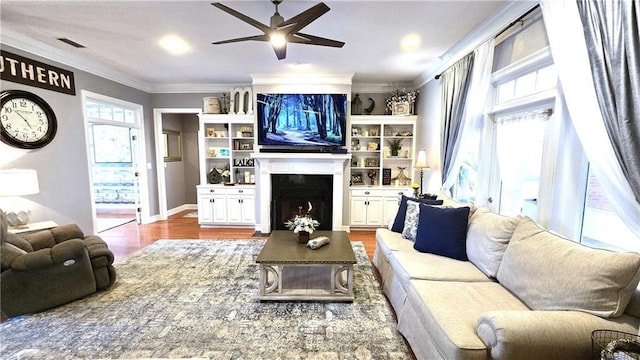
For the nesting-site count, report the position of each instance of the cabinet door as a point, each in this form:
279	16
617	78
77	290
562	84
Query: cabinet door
248	210
375	211
358	211
234	209
205	209
219	203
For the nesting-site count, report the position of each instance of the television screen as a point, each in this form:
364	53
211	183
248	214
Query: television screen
302	119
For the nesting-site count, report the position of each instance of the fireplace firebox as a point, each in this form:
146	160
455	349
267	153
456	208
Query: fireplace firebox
291	193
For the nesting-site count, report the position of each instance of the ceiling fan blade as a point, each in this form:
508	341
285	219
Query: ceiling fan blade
301	38
305	18
281	52
247	38
255	23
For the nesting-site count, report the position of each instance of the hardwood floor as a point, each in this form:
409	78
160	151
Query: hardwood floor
126	239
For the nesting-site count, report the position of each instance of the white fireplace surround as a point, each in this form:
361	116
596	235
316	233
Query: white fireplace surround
299	163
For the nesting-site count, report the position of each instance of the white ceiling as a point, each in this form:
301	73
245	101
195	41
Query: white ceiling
121	38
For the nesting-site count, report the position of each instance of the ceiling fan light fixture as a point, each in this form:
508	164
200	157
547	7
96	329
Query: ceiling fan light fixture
278	40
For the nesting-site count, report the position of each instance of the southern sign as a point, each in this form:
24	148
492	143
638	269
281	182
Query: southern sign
21	70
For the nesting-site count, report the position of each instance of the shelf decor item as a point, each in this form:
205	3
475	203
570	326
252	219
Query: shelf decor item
394	146
401	102
401	179
303	224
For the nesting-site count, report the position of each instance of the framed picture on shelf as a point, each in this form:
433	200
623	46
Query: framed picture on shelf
372	162
246	146
356	178
400	108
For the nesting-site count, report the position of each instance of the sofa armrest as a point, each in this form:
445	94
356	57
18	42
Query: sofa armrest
58	254
547	335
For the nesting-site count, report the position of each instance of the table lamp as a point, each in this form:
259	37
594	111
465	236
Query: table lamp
421	163
15	183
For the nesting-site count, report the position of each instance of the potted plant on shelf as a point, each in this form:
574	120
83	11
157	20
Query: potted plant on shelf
394	145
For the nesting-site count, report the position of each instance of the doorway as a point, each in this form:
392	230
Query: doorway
114	153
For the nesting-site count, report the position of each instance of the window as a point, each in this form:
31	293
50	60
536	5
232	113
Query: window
601	227
519	148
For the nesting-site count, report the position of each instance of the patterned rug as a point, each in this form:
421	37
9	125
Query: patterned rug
198	299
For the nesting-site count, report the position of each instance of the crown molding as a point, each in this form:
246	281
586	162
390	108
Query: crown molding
298	78
21	42
489	28
193	88
378	88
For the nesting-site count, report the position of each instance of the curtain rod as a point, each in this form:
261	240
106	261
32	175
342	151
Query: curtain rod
520	19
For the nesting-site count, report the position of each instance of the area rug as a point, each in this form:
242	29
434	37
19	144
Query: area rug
192	214
198	299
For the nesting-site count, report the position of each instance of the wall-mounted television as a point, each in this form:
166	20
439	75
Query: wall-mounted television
295	120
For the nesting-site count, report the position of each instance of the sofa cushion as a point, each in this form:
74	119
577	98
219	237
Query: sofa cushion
446	313
8	253
410	265
549	272
447	201
442	231
388	241
398	223
411	220
487	238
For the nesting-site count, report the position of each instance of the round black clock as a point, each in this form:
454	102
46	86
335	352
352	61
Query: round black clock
26	120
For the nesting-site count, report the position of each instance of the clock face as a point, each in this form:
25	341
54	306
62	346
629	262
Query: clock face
26	120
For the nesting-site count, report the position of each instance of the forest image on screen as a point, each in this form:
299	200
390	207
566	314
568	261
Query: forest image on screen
302	119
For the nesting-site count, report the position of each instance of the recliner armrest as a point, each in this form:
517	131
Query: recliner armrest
58	254
534	335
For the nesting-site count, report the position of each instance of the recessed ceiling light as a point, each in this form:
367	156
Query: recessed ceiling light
410	42
174	44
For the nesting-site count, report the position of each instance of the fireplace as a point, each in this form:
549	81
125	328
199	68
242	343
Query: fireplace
295	164
292	193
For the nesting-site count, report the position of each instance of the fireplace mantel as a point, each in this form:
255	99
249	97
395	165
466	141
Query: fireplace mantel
299	163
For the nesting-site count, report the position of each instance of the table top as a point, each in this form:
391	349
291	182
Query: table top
282	247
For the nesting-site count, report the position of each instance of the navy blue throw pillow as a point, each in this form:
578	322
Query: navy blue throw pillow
398	223
443	231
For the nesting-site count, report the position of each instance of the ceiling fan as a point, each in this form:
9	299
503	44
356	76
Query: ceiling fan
281	32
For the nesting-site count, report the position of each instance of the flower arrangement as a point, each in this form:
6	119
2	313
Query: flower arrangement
415	186
303	222
398	96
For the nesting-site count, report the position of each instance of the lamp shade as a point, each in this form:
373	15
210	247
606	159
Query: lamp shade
421	162
18	182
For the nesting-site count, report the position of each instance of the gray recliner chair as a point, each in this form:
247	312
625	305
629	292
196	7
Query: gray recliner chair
49	268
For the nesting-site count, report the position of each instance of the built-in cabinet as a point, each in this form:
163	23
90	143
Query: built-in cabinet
373	207
226	196
226	205
379	174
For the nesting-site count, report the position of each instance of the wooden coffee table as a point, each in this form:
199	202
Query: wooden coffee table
292	271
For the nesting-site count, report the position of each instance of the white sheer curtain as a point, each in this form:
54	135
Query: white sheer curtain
519	141
474	110
566	38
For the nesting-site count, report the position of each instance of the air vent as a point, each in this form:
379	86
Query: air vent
72	43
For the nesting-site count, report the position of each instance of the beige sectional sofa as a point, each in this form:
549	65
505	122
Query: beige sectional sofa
524	293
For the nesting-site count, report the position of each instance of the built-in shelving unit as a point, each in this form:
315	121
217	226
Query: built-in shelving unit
376	180
371	139
226	194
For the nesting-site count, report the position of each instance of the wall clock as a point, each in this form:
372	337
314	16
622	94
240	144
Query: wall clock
26	120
